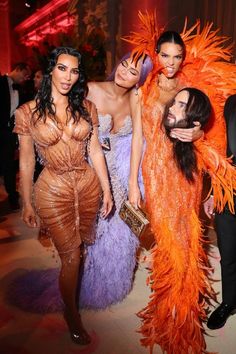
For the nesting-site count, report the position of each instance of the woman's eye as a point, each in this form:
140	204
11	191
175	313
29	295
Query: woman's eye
164	55
124	63
133	73
179	57
60	67
75	71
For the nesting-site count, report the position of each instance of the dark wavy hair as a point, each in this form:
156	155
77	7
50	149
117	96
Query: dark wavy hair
44	101
170	37
198	109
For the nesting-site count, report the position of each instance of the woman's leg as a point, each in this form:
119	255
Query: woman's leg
68	280
67	204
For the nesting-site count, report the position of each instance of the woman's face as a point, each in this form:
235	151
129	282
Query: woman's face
128	73
170	57
65	73
177	112
38	76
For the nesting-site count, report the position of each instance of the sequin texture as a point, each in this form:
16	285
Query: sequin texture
67	192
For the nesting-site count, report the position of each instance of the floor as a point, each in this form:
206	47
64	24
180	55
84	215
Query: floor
113	331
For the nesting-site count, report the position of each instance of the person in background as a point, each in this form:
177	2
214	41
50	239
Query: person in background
10	100
225	226
38	77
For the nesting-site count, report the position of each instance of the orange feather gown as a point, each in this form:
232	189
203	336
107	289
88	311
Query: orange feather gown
179	279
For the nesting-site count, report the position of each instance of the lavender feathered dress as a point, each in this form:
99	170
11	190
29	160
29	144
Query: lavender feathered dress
109	265
110	262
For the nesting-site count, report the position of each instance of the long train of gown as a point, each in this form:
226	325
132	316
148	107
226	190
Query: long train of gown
110	262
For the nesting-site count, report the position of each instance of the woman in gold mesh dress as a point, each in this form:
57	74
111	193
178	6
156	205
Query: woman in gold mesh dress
63	126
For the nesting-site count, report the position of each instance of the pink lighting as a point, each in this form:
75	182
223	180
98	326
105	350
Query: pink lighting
60	24
50	19
41	14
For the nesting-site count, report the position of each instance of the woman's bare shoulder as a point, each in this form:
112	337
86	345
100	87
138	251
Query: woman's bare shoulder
98	89
98	86
31	104
28	106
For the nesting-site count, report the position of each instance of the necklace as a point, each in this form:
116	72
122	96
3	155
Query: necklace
165	87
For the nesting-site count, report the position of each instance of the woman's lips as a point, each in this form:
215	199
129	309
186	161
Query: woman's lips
65	86
168	71
171	70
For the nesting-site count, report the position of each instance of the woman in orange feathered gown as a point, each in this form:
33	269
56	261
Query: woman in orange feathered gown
179	278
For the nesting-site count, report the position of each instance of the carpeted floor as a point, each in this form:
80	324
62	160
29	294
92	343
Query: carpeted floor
113	331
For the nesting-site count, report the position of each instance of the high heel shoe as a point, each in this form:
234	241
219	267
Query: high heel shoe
80	338
77	333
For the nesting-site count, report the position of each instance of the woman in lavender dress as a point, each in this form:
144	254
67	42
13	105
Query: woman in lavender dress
109	264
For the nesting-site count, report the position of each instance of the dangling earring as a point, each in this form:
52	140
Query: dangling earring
136	90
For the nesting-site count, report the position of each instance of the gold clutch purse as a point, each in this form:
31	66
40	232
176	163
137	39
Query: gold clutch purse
134	218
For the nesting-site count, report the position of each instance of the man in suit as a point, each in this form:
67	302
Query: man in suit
225	226
10	99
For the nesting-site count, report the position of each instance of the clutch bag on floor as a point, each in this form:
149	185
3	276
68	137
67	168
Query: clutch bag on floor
134	218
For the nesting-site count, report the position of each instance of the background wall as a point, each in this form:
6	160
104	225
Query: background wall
116	18
172	14
5	48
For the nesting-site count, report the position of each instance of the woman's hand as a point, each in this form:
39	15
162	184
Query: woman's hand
107	204
29	216
208	206
189	134
134	196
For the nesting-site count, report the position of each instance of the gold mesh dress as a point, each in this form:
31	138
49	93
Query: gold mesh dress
67	192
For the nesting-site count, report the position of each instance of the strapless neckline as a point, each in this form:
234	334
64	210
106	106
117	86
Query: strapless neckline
106	124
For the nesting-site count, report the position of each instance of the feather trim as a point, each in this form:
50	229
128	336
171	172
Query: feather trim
207	66
181	292
145	39
222	173
145	44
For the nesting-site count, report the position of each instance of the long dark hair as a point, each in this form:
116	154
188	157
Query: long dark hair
198	109
44	101
170	37
230	118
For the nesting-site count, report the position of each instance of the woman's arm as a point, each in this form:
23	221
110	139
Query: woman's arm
27	163
208	206
136	148
97	157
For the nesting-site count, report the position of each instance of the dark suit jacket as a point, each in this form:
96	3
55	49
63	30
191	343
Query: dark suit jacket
230	117
6	121
5	104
